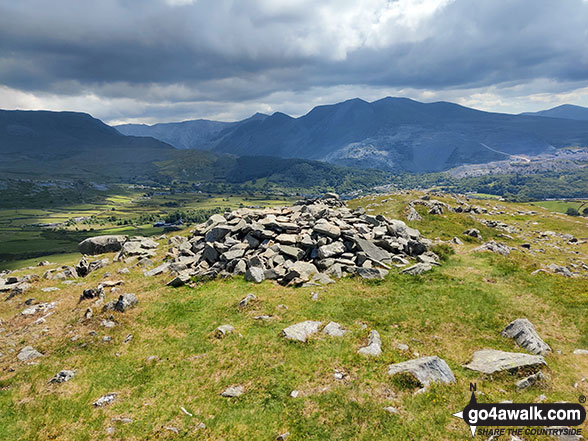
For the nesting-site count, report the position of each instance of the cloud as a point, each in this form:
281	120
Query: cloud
178	59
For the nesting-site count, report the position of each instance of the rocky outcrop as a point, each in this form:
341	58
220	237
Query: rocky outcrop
374	346
523	333
494	247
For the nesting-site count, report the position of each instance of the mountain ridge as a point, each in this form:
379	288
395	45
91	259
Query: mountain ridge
565	111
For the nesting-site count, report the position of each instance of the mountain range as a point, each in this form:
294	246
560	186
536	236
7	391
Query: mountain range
566	111
394	134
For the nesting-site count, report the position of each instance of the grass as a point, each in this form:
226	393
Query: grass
561	206
450	312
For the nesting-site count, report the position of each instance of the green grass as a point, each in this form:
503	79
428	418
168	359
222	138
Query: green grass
452	311
561	206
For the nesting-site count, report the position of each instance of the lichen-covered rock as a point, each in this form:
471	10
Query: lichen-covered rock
301	331
425	370
524	334
490	361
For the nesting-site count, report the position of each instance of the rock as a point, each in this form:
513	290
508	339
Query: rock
425	370
41	307
246	300
412	214
28	353
334	330
473	232
372	250
402	347
223	330
97	264
495	247
295	393
102	244
368	273
490	361
282	436
82	268
301	331
529	381
374	347
580	351
108	323
327	229
255	274
558	269
233	391
163	268
417	269
391	410
524	334
93	293
181	279
457	241
330	250
124	271
105	400
125	302
301	271
62	376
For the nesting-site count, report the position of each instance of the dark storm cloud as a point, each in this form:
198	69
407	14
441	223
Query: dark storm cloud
168	55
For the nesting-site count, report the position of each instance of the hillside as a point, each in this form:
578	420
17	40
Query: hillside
166	362
566	111
68	145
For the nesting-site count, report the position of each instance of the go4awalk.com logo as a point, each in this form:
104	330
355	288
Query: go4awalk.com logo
537	418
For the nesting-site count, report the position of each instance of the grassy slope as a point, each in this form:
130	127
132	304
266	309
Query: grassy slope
450	312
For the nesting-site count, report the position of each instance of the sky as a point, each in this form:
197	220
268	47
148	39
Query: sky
149	61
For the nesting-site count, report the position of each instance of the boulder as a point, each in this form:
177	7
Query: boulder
417	269
233	391
490	361
105	400
372	250
523	333
255	274
301	331
102	244
494	247
425	370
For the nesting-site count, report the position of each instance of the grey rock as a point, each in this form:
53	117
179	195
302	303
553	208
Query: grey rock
425	370
105	400
301	331
580	351
372	250
489	361
495	247
163	268
125	302
524	334
412	214
255	274
233	391
374	347
529	381
246	300
473	232
28	353
334	329
62	376
331	250
328	229
223	330
102	244
417	269
181	279
369	273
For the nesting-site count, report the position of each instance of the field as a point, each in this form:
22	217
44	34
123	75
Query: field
174	362
562	206
122	210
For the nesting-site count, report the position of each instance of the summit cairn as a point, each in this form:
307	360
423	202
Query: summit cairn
307	244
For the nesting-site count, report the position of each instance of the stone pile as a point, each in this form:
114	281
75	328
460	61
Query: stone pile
309	243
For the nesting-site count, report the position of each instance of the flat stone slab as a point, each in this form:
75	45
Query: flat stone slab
524	334
301	331
490	361
425	370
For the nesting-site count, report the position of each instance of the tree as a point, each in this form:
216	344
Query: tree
572	212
